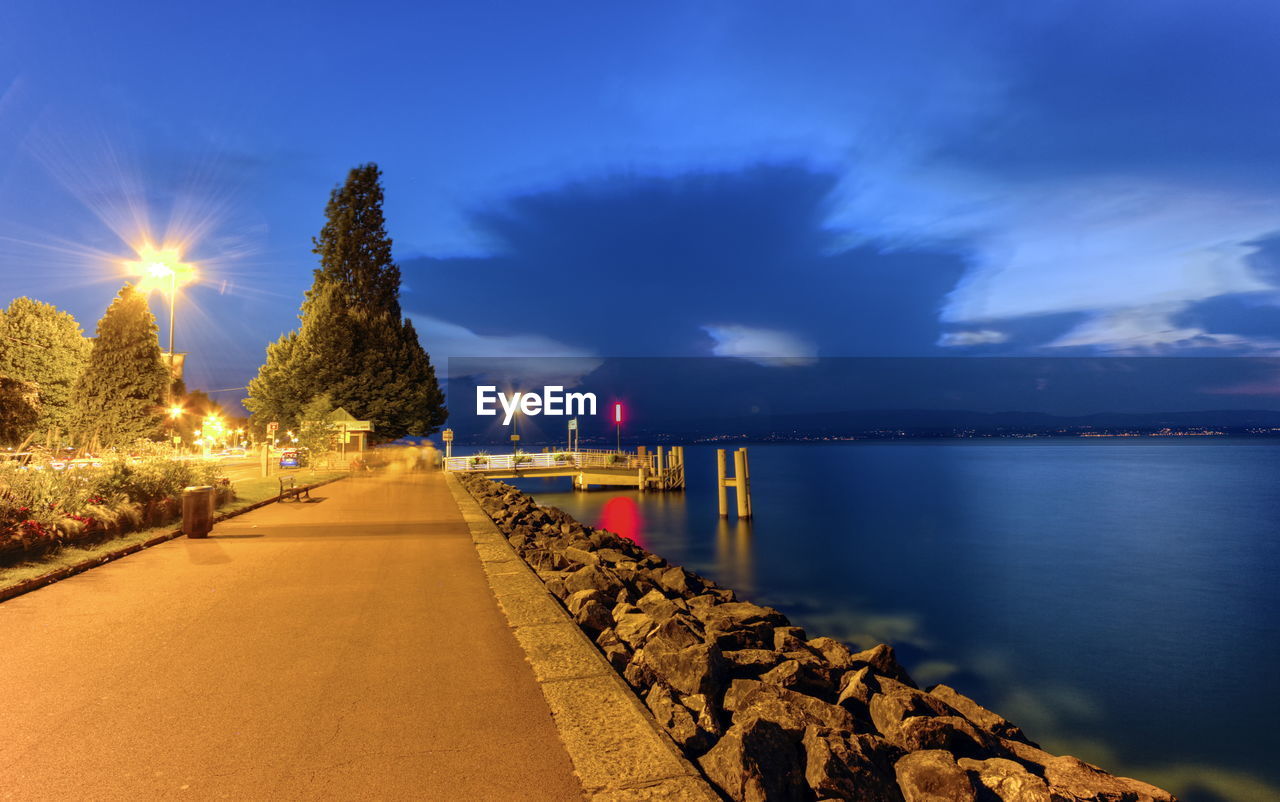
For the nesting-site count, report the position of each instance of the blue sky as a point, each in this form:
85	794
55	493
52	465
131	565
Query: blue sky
770	180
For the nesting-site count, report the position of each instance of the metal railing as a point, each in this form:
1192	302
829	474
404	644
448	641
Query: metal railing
566	460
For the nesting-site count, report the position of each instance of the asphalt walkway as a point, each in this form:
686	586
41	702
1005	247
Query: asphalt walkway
344	649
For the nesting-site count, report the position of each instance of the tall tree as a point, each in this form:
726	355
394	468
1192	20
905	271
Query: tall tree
119	397
43	346
354	343
19	409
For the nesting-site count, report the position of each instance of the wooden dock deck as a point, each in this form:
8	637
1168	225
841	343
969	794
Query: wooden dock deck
647	470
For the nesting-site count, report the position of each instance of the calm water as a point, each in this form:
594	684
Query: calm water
1119	599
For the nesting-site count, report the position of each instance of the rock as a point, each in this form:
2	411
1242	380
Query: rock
896	702
756	761
795	676
1006	780
579	556
833	651
679	631
882	659
593	577
856	689
789	639
697	669
576	600
633	628
734	615
751	663
708	716
678	721
659	607
933	776
610	556
952	733
594	617
614	650
979	715
843	766
791	710
555	586
1071	779
678	581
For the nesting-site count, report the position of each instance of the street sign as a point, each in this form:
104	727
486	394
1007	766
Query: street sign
273	425
573	424
447	435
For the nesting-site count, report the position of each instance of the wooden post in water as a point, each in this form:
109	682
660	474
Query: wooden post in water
742	479
720	484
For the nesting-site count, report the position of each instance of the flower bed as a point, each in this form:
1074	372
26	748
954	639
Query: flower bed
43	510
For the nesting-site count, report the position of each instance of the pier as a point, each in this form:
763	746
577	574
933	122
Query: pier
657	469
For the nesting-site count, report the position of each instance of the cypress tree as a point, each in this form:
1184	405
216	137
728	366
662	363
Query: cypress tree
119	396
44	347
354	343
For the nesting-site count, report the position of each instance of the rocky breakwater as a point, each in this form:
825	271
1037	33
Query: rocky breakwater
767	712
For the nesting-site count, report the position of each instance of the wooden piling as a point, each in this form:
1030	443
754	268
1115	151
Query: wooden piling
742	479
720	484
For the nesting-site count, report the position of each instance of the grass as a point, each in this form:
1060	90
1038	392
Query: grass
248	493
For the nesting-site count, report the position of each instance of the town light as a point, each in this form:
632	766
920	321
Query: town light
175	412
158	267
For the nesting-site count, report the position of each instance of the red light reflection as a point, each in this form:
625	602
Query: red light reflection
621	515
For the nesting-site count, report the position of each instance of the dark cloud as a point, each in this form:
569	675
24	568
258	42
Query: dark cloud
638	265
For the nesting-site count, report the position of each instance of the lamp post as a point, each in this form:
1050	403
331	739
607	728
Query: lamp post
159	266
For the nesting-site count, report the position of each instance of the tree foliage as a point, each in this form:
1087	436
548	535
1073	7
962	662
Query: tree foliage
120	393
44	347
354	344
315	432
19	409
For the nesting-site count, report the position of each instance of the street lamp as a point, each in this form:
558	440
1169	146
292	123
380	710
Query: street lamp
158	267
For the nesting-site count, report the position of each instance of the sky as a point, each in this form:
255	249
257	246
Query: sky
777	182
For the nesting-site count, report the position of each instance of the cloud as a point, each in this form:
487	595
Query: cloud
1151	329
502	357
768	347
966	338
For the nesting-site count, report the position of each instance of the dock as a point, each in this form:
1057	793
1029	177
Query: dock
659	469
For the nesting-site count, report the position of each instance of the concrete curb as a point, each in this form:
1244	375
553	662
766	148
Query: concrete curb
619	752
35	583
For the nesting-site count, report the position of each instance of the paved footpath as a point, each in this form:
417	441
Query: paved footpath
346	649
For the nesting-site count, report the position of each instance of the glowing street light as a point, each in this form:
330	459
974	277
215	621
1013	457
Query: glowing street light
158	267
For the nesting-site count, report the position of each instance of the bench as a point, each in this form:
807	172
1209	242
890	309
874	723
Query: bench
289	489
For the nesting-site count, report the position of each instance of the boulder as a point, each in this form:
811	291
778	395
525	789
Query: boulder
578	556
756	761
593	617
614	650
1006	780
677	581
751	663
791	710
789	639
834	652
856	689
697	669
678	721
680	631
952	733
839	765
593	577
633	627
883	661
933	776
576	600
981	717
896	702
796	676
1070	778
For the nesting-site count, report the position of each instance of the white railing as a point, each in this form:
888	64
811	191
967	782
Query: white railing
566	460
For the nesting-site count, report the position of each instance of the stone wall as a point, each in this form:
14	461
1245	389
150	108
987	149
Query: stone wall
767	712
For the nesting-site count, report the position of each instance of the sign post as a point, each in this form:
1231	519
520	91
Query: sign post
447	437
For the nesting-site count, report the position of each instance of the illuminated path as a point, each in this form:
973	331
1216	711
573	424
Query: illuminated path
347	649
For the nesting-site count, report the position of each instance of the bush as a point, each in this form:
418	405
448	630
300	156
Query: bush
42	509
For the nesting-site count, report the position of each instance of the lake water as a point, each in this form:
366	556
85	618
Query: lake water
1119	599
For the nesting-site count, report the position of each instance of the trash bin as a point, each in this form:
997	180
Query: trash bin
197	511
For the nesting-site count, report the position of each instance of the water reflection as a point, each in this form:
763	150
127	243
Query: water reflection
735	560
621	515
